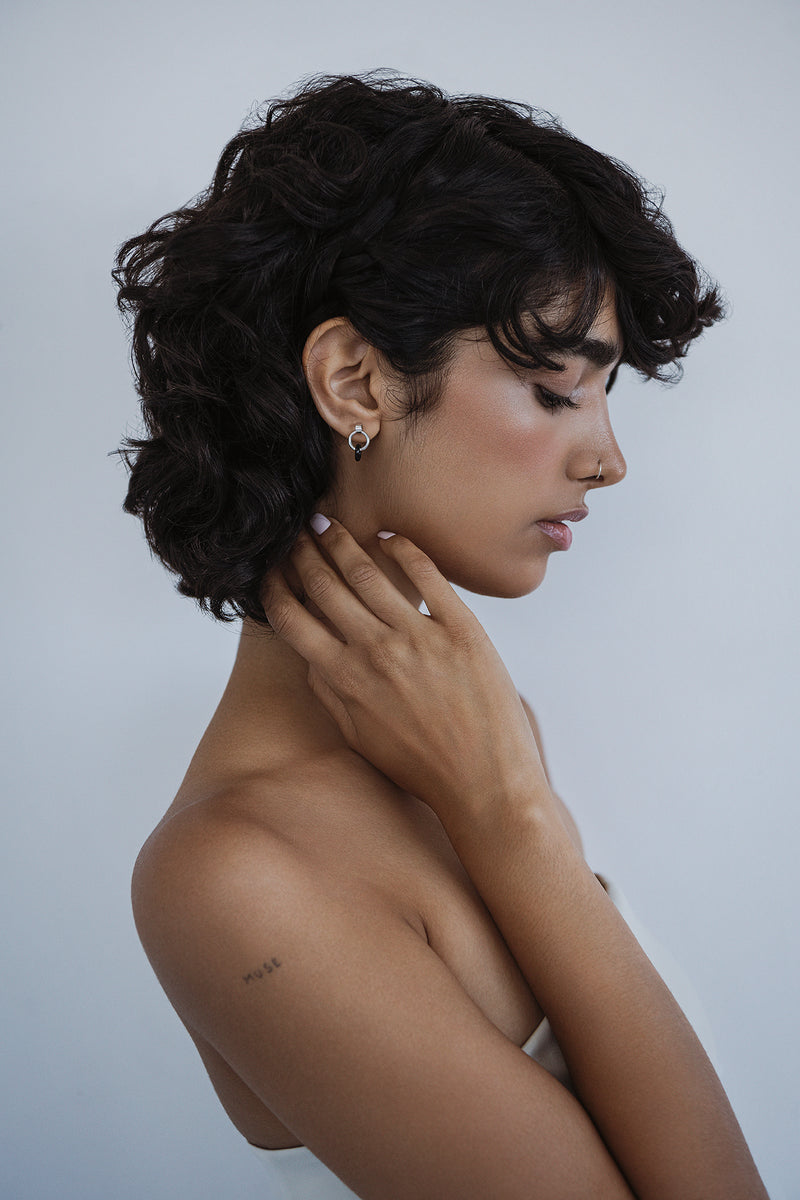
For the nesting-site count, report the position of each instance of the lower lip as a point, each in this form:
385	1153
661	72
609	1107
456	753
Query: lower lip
558	531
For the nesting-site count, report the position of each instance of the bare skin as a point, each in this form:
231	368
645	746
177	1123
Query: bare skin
301	783
366	892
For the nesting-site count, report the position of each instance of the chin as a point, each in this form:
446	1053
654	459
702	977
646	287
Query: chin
506	585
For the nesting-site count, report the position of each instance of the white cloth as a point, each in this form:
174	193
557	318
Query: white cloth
297	1174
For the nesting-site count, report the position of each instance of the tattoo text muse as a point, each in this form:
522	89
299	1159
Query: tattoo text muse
266	968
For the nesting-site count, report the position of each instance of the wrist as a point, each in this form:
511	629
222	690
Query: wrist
523	805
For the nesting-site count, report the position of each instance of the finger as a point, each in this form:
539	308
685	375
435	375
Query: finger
290	620
366	579
442	601
330	701
330	594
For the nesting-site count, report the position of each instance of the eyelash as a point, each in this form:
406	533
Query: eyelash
552	401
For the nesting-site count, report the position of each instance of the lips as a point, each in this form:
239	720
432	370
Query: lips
560	533
577	514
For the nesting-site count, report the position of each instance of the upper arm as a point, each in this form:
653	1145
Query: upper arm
359	1038
566	815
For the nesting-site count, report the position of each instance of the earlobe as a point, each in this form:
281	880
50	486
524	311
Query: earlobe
344	377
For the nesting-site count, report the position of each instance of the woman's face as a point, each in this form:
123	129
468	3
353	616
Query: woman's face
472	481
479	481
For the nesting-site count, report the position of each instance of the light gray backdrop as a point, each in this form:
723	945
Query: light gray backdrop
660	655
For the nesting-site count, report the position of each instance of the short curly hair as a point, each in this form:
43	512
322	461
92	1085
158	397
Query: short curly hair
413	214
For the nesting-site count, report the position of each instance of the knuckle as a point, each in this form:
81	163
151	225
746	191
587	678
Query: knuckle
422	566
386	652
362	574
279	616
336	536
318	581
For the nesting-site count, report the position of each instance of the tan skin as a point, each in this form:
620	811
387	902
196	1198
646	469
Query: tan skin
369	815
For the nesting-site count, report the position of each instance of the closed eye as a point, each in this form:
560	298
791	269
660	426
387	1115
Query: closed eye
552	401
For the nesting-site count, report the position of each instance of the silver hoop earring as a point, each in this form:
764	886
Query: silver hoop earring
362	447
599	469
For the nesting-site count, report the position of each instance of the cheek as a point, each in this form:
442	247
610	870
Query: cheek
509	429
503	436
490	476
513	465
476	502
530	452
471	489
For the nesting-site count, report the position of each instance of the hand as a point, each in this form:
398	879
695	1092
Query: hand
426	699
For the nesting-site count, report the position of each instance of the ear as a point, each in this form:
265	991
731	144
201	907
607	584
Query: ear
344	377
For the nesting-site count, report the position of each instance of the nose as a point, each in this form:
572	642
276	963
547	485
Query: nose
611	465
598	461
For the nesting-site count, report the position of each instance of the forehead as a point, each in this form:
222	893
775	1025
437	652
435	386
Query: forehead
602	345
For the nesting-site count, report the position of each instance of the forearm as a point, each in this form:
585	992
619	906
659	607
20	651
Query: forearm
637	1065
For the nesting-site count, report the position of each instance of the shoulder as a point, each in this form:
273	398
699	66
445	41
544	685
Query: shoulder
197	857
235	914
226	844
223	875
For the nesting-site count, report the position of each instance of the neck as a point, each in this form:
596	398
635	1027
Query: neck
268	716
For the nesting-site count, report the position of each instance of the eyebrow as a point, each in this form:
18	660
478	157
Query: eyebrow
598	352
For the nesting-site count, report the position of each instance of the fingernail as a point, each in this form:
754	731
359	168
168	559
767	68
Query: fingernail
382	533
319	523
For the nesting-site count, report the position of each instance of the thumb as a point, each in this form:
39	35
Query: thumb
333	705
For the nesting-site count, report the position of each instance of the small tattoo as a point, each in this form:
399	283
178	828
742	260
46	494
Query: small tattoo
266	968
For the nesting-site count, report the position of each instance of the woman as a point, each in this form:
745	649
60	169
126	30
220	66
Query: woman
374	360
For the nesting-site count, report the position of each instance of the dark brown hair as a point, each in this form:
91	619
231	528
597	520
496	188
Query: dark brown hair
413	214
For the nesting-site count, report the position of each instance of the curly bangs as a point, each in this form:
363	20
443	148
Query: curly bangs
416	216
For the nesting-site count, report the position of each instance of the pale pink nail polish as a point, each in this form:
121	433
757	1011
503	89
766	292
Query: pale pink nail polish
319	523
383	533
